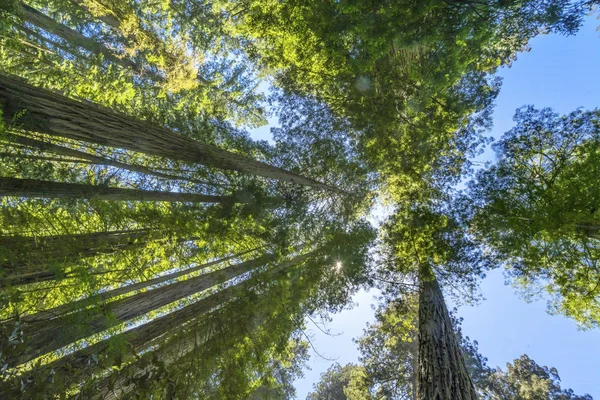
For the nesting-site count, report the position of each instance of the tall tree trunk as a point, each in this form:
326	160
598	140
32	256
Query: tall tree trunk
442	374
54	114
77	305
29	264
46	336
55	190
65	151
80	365
25	259
46	23
174	348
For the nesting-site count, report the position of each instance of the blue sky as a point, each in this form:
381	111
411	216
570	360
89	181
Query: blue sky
558	72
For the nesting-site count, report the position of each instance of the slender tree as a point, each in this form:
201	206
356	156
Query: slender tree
26	259
51	190
76	366
42	337
34	17
56	115
81	155
78	305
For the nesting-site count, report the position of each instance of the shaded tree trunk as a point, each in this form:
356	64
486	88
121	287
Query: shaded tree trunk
93	159
56	115
80	365
176	347
108	19
46	336
27	259
56	190
442	374
591	230
95	299
39	263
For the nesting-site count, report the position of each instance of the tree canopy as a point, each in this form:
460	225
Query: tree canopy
150	248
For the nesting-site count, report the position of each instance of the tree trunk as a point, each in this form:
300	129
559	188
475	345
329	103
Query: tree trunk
46	23
57	190
80	365
46	336
65	151
142	40
591	230
173	349
27	260
24	258
103	296
442	374
56	115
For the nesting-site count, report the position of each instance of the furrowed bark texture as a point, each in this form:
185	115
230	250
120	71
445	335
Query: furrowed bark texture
95	299
56	190
46	336
80	365
65	151
442	374
116	387
54	114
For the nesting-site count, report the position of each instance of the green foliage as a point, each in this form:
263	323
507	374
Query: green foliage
341	383
385	99
411	77
524	379
538	207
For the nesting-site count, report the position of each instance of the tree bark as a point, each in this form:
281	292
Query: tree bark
23	258
27	259
82	364
77	305
46	23
46	336
442	374
65	151
53	114
57	190
172	350
108	19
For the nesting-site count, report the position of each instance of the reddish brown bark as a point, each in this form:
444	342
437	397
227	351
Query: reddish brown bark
442	374
54	114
